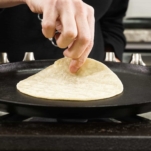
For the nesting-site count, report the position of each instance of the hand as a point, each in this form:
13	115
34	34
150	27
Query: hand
75	19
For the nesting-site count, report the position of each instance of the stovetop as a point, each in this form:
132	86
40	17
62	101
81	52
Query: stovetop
35	133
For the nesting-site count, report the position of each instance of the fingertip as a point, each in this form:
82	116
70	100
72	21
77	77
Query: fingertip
73	66
48	33
73	69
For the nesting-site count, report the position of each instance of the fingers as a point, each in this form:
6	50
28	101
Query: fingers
58	26
76	24
69	29
77	63
82	40
83	37
49	20
91	22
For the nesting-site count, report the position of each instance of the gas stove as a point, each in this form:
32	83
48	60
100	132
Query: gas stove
35	133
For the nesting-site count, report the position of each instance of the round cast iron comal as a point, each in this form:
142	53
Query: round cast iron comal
135	99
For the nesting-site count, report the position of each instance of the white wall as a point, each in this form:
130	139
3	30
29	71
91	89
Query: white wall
139	8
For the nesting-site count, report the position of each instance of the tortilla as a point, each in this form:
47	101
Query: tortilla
93	81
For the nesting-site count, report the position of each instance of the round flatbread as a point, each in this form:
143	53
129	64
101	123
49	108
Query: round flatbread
93	81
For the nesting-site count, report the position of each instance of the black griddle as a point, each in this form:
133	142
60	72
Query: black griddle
135	99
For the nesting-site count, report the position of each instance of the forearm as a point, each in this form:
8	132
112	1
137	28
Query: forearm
10	3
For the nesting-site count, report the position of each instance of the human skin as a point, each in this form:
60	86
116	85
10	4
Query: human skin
74	18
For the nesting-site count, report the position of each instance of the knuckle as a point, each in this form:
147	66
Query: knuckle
80	7
78	3
84	40
73	56
91	9
70	34
47	25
